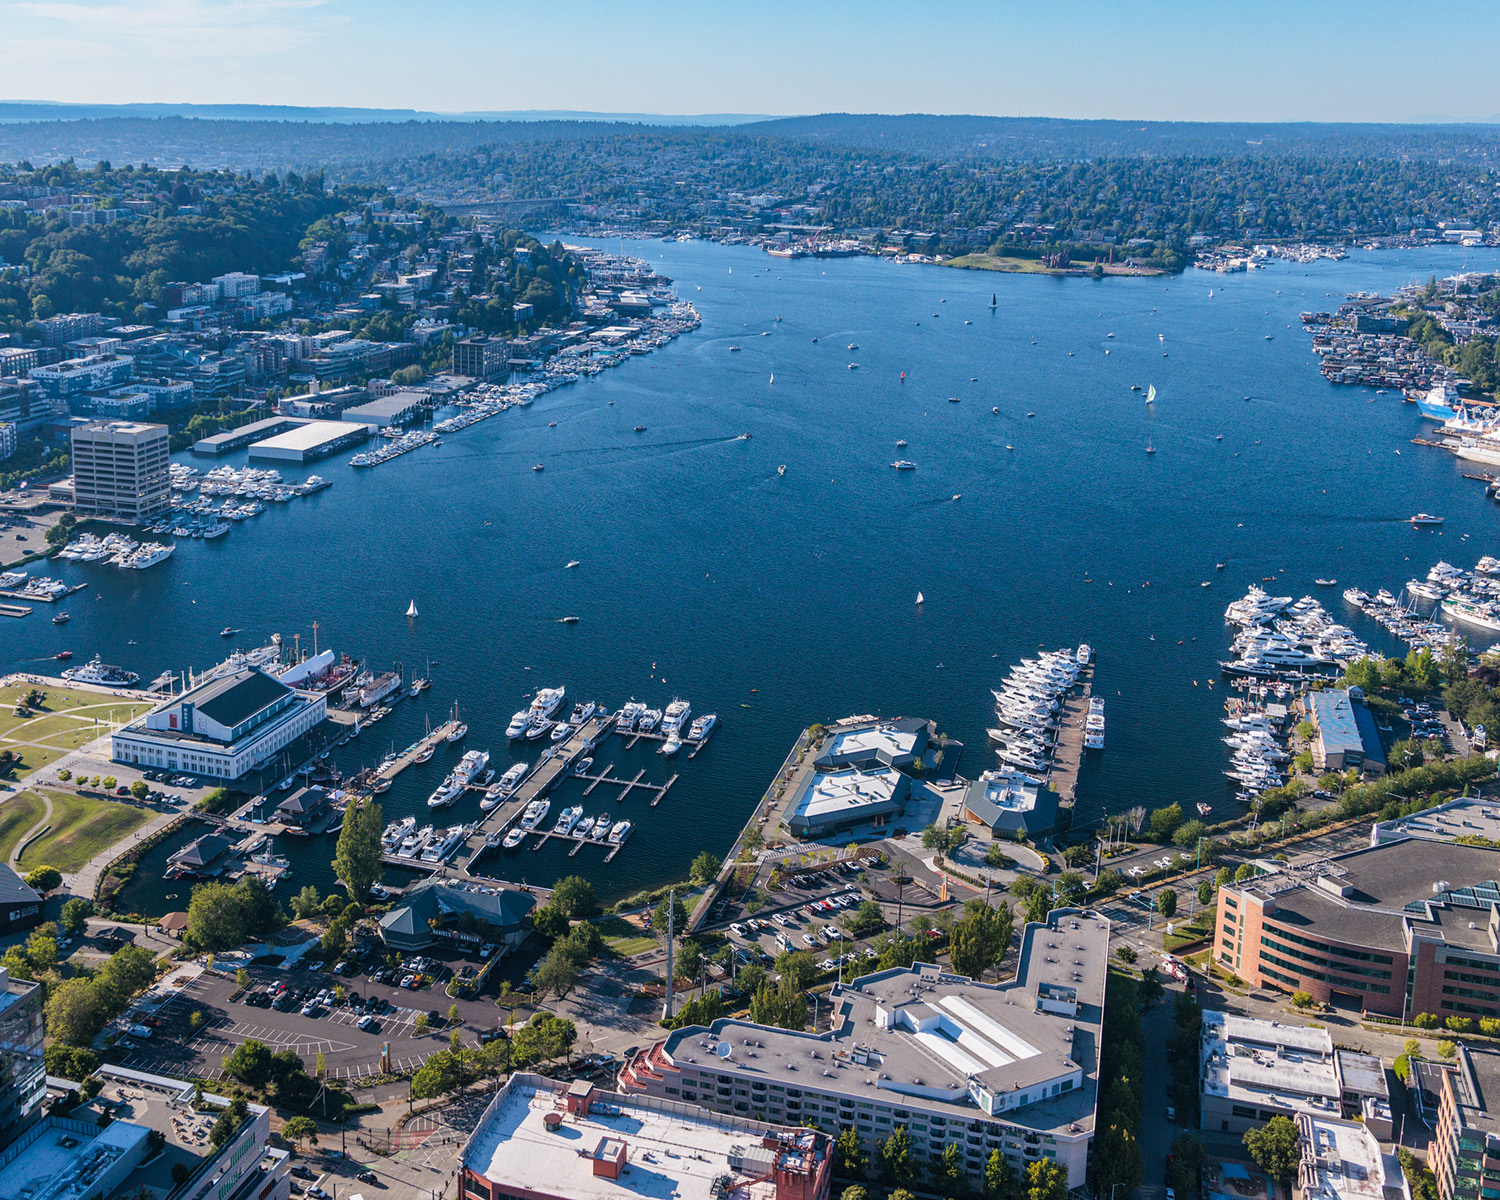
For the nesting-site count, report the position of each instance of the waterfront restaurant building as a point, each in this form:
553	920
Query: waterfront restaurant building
1406	927
223	728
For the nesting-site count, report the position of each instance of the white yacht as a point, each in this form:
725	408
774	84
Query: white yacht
546	702
413	843
514	838
629	715
97	671
677	712
1426	590
536	812
619	833
519	724
703	726
650	719
601	826
673	743
445	844
469	768
568	818
396	832
539	729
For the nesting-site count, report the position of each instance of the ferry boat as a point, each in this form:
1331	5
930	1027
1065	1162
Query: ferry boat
619	833
1439	404
99	672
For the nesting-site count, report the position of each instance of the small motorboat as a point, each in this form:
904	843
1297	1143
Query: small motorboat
62	618
539	467
63	655
640	429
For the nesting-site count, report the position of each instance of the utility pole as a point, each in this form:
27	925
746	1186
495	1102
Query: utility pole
666	1011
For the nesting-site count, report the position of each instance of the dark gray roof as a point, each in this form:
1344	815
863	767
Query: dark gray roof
204	850
304	800
14	889
500	907
237	696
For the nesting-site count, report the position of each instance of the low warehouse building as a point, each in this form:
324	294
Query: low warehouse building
309	442
447	910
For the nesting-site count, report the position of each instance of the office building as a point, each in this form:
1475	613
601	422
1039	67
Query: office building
1251	1071
1465	1150
120	470
479	357
8	439
541	1139
86	1156
223	728
1342	1160
1409	926
23	1071
982	1067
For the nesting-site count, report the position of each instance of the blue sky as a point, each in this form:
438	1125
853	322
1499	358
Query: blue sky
1150	59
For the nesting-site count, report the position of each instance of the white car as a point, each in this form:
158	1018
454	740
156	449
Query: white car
140	1031
809	940
737	929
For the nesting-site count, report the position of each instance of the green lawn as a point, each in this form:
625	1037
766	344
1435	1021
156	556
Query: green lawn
622	937
994	262
33	758
82	826
17	815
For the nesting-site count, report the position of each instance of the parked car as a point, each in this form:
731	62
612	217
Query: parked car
365	1022
302	1172
368	1177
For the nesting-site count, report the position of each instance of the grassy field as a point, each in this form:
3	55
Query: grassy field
65	722
82	827
996	262
624	938
17	815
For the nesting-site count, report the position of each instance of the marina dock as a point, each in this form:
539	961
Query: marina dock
1067	755
408	756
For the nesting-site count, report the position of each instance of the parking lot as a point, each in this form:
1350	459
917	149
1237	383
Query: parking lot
331	1028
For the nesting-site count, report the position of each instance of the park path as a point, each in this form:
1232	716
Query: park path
15	854
83	881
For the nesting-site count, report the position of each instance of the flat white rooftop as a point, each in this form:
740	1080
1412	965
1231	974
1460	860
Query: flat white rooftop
835	793
868	742
308	440
1010	790
1268	1062
671	1154
1341	1160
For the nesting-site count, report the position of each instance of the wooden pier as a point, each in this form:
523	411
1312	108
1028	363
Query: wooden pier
1067	749
408	756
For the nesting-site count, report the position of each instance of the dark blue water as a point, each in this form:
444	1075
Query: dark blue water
777	601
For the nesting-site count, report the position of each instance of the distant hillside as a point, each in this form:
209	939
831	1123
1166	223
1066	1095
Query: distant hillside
959	137
37	110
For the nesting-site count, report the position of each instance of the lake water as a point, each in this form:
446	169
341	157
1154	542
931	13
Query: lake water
780	600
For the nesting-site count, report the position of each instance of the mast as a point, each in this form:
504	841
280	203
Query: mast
671	977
